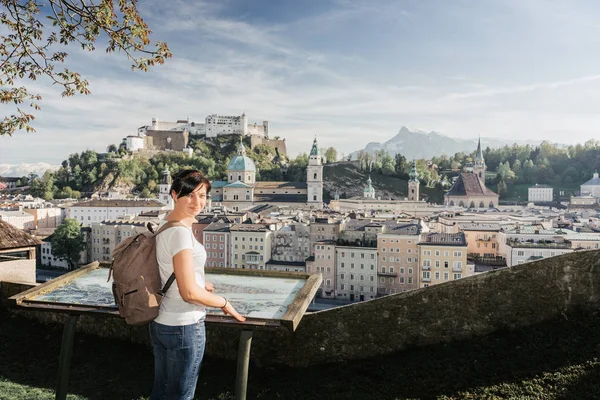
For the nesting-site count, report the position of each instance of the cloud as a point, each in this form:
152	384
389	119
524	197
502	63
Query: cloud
350	72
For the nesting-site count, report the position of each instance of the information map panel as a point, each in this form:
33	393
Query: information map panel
275	298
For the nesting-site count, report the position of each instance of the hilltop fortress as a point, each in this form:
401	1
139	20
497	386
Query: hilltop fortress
174	136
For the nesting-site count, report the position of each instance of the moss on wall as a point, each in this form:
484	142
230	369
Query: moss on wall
504	299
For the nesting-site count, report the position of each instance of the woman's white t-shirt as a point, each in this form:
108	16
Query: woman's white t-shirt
174	311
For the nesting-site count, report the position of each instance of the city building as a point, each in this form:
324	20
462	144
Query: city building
250	246
241	190
106	235
291	243
482	238
398	258
442	258
216	240
323	262
469	189
19	219
592	187
356	273
540	193
89	212
46	217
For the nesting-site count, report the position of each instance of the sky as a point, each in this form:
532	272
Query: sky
348	71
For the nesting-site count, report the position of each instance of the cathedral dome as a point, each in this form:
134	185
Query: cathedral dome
241	162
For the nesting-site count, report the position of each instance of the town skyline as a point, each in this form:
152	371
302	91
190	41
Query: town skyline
499	69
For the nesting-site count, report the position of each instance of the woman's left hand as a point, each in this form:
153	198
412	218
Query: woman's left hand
209	287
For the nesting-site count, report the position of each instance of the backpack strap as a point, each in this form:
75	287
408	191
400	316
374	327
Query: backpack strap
163	228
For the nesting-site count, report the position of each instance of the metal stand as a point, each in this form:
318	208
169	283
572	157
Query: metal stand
241	379
66	351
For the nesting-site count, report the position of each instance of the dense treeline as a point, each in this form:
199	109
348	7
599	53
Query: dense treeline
89	172
506	166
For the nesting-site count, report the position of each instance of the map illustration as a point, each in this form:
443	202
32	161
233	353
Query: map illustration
252	296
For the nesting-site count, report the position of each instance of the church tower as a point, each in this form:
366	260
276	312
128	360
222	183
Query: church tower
164	187
369	191
314	177
479	164
413	183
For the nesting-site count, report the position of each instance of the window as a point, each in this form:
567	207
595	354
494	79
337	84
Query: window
426	252
342	265
410	271
437	263
409	280
401	270
342	286
445	264
352	265
402	279
457	276
351	277
437	252
391	270
426	275
458	254
383	270
445	276
328	282
437	275
457	265
382	280
342	276
520	253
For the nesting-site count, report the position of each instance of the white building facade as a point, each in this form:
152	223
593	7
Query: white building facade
356	273
95	211
540	193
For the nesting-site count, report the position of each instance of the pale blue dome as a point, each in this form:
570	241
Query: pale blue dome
241	162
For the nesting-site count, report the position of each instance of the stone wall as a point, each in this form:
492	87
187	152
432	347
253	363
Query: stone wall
504	299
274	143
18	271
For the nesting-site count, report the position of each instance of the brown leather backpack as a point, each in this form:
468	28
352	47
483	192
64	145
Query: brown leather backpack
136	280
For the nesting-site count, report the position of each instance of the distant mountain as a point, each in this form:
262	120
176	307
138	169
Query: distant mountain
420	144
19	170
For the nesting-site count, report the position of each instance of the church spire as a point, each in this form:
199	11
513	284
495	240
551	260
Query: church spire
314	151
479	155
413	174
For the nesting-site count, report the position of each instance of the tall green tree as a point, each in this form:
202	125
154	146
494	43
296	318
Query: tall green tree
29	49
331	155
68	242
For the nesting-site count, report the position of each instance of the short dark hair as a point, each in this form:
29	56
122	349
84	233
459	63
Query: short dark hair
187	180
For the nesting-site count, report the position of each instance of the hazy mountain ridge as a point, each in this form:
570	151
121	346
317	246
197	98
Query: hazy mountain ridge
24	169
420	144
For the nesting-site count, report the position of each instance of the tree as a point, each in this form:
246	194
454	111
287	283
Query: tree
30	50
67	242
331	155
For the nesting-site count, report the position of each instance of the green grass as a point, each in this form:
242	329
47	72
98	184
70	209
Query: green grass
557	359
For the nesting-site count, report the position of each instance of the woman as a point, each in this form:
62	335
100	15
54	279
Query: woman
177	333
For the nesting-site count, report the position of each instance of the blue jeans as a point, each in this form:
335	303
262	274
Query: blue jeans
178	352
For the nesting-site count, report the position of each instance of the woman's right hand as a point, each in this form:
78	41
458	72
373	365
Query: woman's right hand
228	309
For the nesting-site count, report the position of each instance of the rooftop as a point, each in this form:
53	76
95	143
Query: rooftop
12	237
444	239
120	203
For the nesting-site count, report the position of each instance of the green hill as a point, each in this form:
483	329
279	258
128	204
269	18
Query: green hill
348	180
